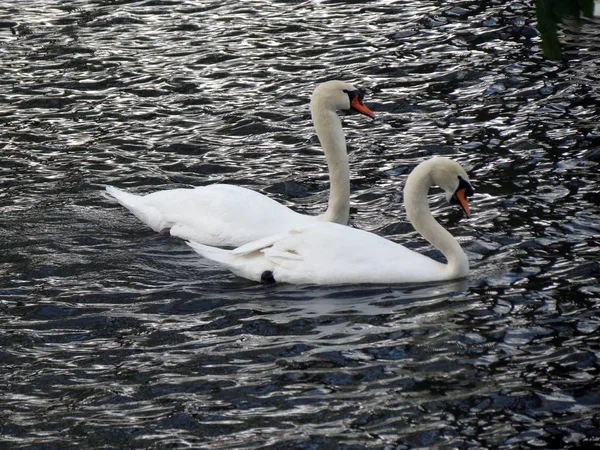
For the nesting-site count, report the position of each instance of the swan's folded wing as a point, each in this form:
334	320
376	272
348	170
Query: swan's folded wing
214	253
287	259
256	245
263	243
290	254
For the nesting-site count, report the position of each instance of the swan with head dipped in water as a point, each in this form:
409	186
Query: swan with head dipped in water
327	253
227	215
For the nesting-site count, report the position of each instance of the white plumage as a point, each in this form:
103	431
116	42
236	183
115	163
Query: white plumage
227	215
327	253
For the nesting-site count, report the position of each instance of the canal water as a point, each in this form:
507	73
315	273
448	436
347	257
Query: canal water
114	336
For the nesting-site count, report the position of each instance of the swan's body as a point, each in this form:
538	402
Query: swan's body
227	215
218	214
327	253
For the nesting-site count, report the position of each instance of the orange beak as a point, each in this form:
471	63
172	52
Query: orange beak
460	196
361	107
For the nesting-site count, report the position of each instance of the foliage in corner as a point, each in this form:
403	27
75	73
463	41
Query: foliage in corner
552	12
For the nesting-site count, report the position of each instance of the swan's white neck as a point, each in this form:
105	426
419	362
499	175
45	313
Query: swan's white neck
331	135
419	214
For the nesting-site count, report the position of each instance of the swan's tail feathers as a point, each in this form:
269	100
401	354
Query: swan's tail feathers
148	214
124	198
219	255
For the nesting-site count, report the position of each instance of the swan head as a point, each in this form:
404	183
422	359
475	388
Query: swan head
341	96
452	178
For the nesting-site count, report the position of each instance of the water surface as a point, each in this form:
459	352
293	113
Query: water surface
115	336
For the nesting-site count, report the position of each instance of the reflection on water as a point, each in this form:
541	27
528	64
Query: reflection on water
115	336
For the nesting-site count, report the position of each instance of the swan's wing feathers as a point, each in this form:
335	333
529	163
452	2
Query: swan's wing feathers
216	254
283	259
257	245
269	241
250	266
272	253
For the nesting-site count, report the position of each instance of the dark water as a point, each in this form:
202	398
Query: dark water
114	336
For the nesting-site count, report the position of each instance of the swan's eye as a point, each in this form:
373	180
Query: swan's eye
356	102
464	184
354	94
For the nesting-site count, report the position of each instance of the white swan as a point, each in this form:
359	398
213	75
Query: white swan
227	215
327	253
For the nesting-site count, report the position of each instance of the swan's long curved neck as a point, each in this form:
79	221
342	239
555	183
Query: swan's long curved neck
419	214
331	135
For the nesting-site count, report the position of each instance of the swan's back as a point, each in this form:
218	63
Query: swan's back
218	214
327	253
